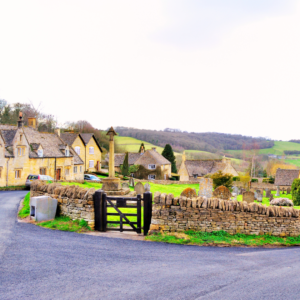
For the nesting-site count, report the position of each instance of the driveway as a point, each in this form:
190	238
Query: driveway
38	263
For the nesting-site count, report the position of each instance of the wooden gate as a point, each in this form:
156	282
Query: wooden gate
102	202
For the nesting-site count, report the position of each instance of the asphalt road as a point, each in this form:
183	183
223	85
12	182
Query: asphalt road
37	263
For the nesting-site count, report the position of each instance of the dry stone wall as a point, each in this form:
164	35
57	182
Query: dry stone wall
171	214
73	201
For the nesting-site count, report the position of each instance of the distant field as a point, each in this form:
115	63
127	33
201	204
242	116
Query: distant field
295	162
133	145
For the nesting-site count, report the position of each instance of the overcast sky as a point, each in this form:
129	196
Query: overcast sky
229	66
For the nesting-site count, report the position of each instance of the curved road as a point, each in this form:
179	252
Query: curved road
37	263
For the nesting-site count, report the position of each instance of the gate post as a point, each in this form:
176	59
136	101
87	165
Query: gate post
147	211
100	223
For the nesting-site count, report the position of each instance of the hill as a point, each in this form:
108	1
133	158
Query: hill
209	141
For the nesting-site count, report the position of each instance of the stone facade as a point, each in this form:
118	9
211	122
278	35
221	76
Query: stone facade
179	214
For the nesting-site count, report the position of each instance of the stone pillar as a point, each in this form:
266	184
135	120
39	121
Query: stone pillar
111	167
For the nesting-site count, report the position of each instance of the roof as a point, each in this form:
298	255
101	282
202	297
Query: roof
119	158
204	166
69	137
286	177
152	156
86	137
8	136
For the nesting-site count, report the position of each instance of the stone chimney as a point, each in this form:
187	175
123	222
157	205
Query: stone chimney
183	156
20	122
32	122
57	131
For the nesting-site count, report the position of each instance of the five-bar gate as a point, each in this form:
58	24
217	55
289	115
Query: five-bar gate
102	202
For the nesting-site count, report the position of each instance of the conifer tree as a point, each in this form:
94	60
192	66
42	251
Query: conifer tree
169	155
142	146
125	167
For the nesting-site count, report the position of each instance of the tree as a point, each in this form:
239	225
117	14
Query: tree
245	179
125	166
169	155
295	190
222	179
142	147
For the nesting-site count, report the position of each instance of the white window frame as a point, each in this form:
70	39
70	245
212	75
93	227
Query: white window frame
67	152
77	150
16	174
91	164
151	176
80	169
151	167
67	172
75	169
91	150
40	152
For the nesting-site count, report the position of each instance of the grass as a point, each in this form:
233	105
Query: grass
66	224
25	210
222	238
13	187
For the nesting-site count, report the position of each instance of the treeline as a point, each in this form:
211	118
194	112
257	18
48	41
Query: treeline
9	115
295	141
291	152
207	141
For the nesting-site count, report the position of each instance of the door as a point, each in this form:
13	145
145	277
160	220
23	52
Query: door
58	174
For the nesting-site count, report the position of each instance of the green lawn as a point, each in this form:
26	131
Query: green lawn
25	210
295	162
222	238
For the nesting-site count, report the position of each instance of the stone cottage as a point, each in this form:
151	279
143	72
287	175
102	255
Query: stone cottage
119	159
86	147
24	151
192	169
284	177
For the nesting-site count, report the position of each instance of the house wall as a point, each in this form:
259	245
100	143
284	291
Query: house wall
229	168
79	143
95	157
2	163
166	170
184	175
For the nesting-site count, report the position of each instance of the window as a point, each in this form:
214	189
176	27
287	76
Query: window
23	151
195	175
75	170
67	152
43	171
151	177
21	137
67	172
77	150
40	153
80	169
20	151
151	167
17	174
91	150
91	164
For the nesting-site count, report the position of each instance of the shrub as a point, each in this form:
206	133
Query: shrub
220	179
189	193
133	168
236	178
254	180
295	191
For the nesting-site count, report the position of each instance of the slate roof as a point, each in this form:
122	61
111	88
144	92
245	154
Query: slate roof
286	177
119	158
86	137
9	136
152	155
69	137
203	167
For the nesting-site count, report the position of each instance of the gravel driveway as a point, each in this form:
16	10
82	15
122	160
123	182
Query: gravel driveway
37	263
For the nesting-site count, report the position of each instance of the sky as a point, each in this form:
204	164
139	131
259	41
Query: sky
227	66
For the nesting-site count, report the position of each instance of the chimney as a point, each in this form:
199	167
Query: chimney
142	150
183	156
57	131
20	122
32	122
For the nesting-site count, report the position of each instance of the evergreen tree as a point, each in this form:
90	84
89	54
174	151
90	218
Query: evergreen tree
142	146
169	155
125	167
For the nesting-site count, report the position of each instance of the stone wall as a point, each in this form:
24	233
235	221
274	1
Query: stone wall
166	182
179	214
256	185
73	201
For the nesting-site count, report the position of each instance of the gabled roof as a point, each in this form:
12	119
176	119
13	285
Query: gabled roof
86	137
152	155
286	177
9	136
69	137
119	158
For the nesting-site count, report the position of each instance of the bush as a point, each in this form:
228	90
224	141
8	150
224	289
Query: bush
295	191
133	168
236	178
222	179
254	180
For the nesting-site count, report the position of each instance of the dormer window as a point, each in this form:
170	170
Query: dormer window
67	152
40	153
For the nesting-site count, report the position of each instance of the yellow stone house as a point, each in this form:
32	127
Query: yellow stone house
86	147
25	151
